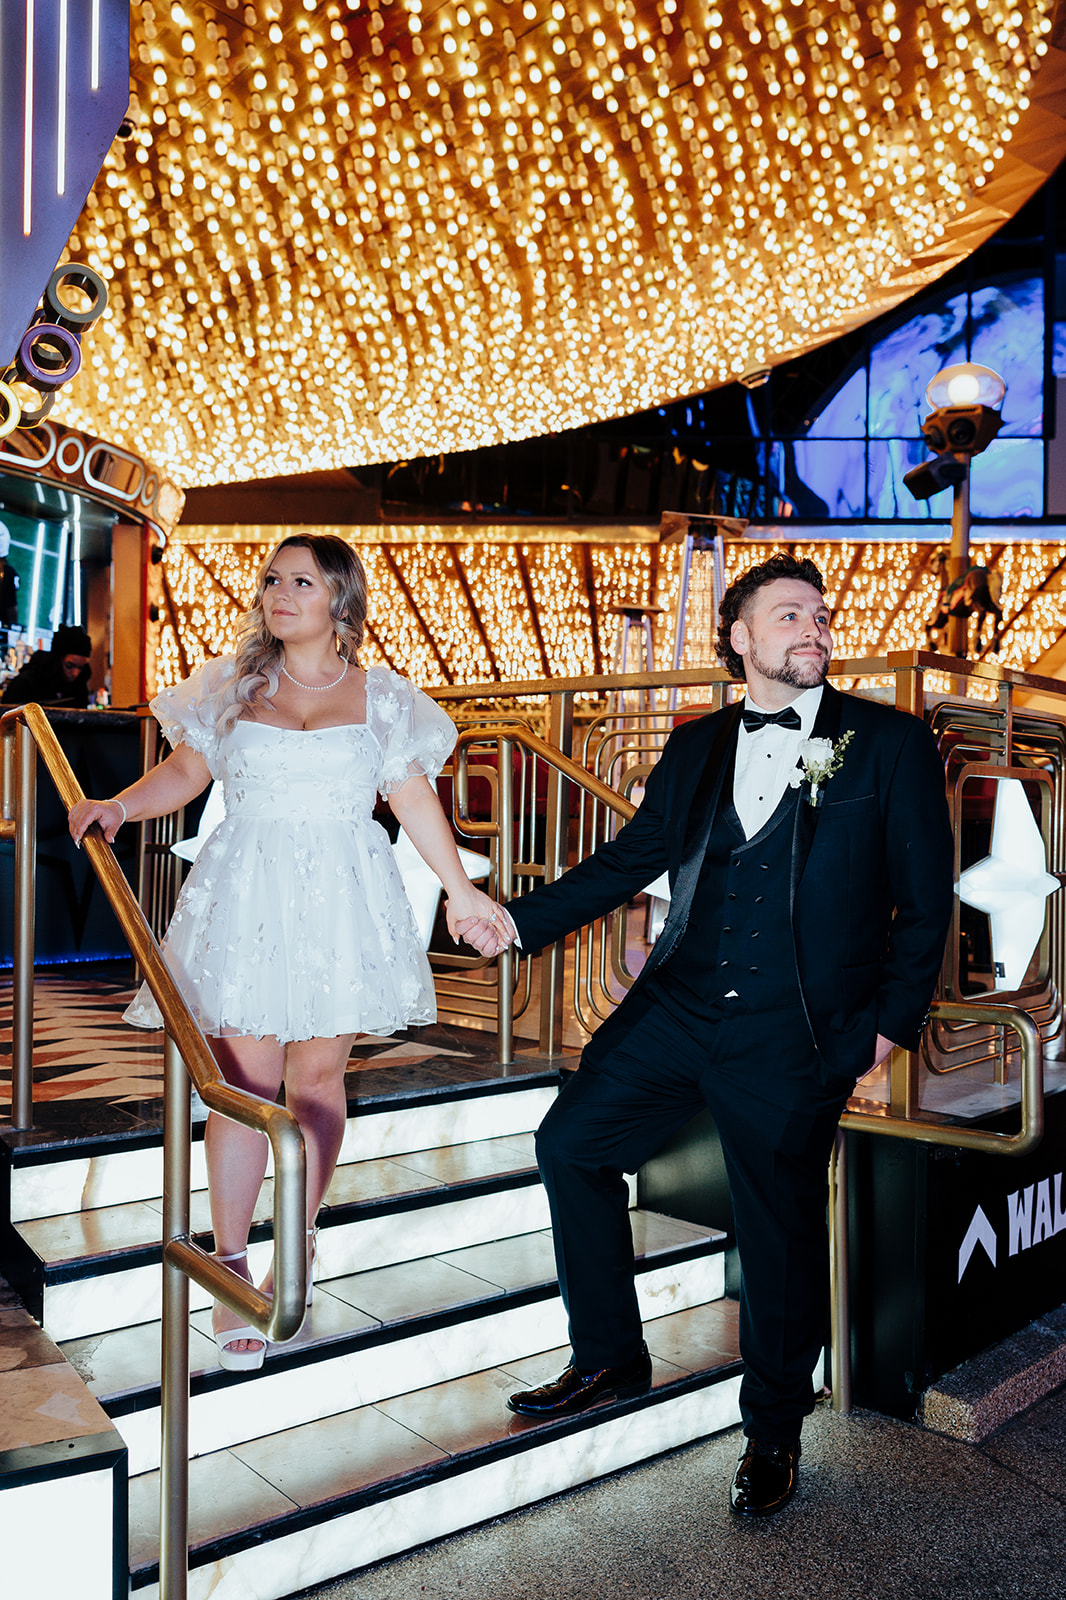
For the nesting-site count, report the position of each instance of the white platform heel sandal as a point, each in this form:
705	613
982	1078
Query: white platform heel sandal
239	1360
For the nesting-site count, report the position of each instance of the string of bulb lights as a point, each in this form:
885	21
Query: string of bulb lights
374	229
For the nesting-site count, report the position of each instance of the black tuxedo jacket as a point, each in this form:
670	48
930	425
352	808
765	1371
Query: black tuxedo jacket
872	873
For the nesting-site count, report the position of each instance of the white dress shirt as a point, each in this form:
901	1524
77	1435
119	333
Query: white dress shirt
766	760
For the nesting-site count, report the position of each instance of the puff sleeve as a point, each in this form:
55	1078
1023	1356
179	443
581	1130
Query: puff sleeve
415	735
187	712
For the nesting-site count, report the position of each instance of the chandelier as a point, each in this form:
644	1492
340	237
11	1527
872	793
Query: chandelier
367	230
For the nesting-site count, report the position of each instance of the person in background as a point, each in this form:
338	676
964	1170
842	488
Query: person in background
58	676
9	584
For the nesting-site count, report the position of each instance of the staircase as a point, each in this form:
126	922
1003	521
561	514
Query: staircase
383	1424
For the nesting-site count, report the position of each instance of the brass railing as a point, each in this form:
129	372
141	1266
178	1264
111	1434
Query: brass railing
911	1126
499	828
631	743
25	732
628	743
588	721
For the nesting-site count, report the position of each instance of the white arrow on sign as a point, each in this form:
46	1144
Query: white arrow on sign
981	1232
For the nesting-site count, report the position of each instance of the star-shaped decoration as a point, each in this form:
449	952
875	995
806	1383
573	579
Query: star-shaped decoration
1011	885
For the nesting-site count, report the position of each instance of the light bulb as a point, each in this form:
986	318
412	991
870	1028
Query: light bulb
963	389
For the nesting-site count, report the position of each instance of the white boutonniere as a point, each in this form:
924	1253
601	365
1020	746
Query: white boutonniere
818	760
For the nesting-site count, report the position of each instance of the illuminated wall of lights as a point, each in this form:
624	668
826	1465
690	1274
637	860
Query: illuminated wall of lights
367	230
473	621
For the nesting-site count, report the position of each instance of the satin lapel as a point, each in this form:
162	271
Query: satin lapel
826	726
701	814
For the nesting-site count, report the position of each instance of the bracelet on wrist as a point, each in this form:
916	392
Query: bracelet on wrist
121	807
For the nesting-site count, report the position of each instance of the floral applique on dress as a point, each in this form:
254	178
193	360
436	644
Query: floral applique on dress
293	920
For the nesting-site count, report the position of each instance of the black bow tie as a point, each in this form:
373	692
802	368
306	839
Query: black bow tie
754	720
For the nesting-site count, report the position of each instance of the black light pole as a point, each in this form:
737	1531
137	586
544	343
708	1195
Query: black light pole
963	422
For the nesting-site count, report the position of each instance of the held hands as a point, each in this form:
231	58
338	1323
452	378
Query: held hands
108	813
490	936
480	921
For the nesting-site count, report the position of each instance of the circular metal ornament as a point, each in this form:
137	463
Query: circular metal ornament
48	356
80	277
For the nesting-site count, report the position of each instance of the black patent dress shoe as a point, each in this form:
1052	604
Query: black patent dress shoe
575	1391
765	1478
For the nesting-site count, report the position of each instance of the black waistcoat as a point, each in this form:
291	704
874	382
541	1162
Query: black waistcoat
738	935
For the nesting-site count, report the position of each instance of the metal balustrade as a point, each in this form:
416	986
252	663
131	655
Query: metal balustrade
562	768
985	729
25	733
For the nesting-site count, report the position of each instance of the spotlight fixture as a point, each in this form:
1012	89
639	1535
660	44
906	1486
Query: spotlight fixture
963	422
926	480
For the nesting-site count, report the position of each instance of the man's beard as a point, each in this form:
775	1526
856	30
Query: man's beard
797	674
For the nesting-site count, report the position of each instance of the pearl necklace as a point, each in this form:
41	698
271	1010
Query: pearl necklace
315	688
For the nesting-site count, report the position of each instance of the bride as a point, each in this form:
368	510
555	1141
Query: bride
292	933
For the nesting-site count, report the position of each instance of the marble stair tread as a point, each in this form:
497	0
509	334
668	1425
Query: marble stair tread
126	1361
374	1452
509	1263
446	1165
81	1236
377	1124
413	1288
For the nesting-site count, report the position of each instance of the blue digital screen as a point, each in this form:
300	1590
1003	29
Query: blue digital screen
867	434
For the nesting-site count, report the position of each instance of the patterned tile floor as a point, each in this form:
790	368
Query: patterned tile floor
84	1053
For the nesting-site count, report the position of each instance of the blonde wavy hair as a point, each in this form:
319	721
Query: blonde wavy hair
259	655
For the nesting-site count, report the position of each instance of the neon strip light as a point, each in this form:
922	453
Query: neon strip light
75	564
94	69
27	128
61	120
61	575
32	621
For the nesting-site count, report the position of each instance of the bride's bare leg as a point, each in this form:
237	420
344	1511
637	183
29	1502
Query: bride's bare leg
316	1096
237	1156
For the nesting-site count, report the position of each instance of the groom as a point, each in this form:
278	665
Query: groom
805	934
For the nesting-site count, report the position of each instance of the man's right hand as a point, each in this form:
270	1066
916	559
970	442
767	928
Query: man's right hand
489	938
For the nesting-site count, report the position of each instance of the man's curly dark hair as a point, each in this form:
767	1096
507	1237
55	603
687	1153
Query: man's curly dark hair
739	595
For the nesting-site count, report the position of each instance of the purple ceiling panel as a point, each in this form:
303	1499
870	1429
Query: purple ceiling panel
64	89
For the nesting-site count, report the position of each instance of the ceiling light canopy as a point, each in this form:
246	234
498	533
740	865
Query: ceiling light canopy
370	229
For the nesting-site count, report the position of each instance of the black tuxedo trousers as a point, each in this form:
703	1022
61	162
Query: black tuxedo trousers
759	1075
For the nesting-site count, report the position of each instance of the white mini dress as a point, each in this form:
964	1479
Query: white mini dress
293	920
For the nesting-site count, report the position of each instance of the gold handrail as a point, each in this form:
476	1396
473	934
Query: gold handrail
1032	1090
893	662
506	737
889	1124
566	765
939	1133
276	1317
